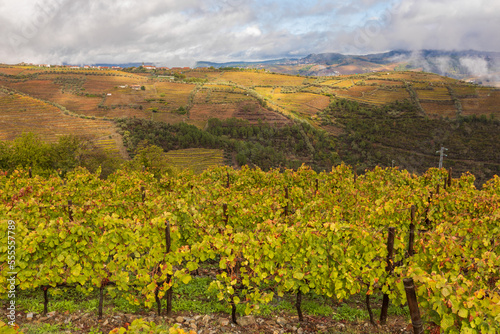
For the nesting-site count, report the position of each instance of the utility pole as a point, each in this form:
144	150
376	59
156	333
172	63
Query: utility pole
441	156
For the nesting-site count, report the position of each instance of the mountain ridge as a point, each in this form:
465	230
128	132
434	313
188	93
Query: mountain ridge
480	66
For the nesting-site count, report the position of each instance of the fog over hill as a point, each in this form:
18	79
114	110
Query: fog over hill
479	65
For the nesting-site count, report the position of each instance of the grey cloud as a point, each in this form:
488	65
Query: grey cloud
430	24
180	32
463	64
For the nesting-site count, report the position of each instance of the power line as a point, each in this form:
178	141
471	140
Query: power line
441	156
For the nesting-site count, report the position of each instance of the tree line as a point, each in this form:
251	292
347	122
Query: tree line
262	144
29	150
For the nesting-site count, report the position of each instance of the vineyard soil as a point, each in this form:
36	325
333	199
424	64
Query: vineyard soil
199	310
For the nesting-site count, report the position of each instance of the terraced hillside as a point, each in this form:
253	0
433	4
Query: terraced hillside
193	96
21	113
197	95
197	159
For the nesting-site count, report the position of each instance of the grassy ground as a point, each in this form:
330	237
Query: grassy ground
194	298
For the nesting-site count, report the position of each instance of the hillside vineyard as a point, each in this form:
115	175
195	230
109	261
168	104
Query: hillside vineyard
269	233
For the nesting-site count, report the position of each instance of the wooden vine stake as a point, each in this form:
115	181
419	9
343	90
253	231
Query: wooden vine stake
224	213
298	305
101	298
70	210
370	312
286	198
143	194
225	216
233	311
231	302
157	298
427	221
45	289
411	297
168	244
226	220
411	239
450	171
169	277
388	269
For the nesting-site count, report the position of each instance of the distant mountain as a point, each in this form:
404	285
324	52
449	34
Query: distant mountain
242	63
318	59
480	66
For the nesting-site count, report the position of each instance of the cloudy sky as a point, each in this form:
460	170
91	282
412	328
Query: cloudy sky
181	32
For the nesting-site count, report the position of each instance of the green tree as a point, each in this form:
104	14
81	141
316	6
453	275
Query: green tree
5	155
241	159
94	158
152	158
29	150
67	153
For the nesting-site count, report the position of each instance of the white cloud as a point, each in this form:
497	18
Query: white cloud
252	31
475	66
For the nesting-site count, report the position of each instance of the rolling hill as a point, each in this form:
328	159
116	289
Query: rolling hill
382	118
